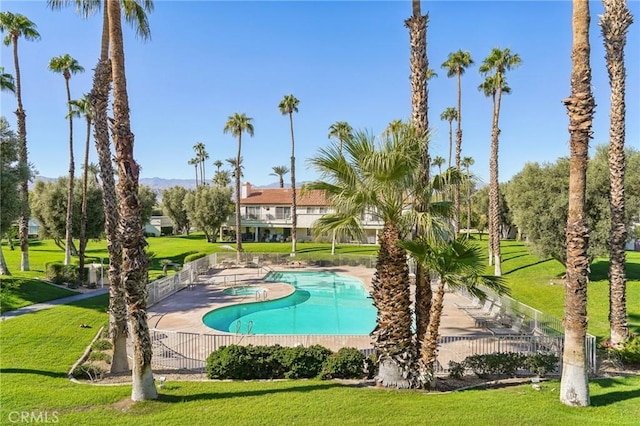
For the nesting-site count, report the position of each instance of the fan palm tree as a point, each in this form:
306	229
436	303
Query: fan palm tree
222	178
367	176
456	64
82	108
237	124
615	23
438	162
419	65
135	14
467	162
7	83
218	164
280	171
574	384
195	162
458	264
18	26
67	66
135	265
450	114
340	130
201	155
498	62
288	105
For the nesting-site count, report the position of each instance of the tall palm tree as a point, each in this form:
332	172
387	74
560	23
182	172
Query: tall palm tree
67	66
17	26
218	164
288	105
201	155
438	162
7	83
195	162
340	130
450	114
237	124
458	264
82	108
467	162
615	24
372	176
456	64
135	265
496	65
574	385
280	171
419	66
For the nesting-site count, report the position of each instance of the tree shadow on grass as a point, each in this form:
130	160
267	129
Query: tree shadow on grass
98	303
224	395
600	271
29	371
612	397
527	266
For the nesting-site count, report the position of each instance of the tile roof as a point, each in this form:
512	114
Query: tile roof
282	196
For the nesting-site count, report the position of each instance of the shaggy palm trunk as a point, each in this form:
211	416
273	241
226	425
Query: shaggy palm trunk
489	239
456	190
494	186
391	297
83	210
615	23
574	386
4	270
21	115
238	223
68	239
450	142
429	350
99	96
468	203
294	201
135	264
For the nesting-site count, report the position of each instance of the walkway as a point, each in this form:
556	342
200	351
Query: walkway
46	305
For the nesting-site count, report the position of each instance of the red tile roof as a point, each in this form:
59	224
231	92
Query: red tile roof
282	196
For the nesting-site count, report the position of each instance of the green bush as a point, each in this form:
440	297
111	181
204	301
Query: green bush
630	352
304	362
541	363
456	369
371	365
347	363
194	256
101	345
507	363
59	273
88	371
100	356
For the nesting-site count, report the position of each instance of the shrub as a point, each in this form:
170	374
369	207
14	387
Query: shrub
101	345
630	351
230	362
498	363
100	356
540	363
194	256
371	365
300	362
456	369
347	363
88	371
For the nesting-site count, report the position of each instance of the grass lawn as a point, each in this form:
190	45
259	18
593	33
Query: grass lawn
18	292
38	350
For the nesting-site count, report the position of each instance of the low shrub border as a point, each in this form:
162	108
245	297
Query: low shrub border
504	364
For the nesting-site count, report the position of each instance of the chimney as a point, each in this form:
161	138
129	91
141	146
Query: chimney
245	190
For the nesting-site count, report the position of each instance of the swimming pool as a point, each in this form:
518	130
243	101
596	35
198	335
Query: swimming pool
244	291
323	303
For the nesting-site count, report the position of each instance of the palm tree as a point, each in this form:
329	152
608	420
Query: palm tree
7	83
458	264
288	105
574	385
498	62
195	162
280	171
367	176
17	26
236	125
456	64
615	23
467	162
450	114
419	65
135	265
201	155
340	130
222	178
438	162
82	107
218	164
66	65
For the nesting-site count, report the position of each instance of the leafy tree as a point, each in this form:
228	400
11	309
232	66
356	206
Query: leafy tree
222	178
208	208
19	26
148	200
481	207
174	207
287	106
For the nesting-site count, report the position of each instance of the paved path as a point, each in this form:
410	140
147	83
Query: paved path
46	305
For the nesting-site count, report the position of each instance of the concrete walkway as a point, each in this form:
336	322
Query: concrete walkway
46	305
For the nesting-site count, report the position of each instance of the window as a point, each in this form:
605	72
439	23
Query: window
283	213
253	212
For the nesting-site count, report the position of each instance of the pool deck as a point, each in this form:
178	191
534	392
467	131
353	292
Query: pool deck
184	310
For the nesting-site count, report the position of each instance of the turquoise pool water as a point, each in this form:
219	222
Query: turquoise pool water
243	291
323	303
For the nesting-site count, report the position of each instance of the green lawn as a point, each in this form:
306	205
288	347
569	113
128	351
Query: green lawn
18	292
38	350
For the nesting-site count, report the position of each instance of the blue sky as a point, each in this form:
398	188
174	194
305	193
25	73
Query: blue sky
344	61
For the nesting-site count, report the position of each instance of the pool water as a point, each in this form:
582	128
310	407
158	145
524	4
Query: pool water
243	291
323	303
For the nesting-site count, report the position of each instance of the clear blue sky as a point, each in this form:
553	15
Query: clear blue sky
345	61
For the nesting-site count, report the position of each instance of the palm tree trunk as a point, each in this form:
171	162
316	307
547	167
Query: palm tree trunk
4	269
615	22
391	296
494	186
333	243
574	386
83	210
450	142
468	203
21	116
294	201
69	220
135	265
456	191
238	223
99	96
430	343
